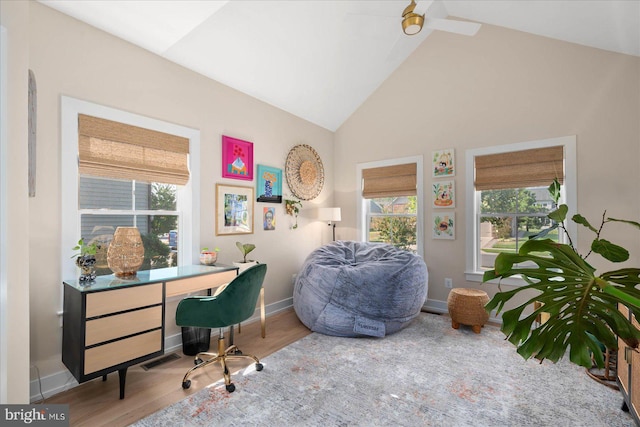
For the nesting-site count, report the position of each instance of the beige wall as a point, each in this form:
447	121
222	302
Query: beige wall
15	385
73	59
502	87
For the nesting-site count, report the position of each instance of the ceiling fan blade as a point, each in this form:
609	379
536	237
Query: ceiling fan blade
423	6
460	27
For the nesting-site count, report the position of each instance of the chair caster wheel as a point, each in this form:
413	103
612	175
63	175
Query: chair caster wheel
186	384
197	361
259	366
230	388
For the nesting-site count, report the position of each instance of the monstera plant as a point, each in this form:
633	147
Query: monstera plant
581	303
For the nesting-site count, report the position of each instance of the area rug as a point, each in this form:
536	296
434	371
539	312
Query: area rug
425	375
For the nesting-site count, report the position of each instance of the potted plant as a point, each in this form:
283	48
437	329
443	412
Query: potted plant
292	207
580	304
245	249
208	257
86	259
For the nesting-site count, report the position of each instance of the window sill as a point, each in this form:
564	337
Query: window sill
476	276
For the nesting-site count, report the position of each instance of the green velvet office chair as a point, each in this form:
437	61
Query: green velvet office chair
234	304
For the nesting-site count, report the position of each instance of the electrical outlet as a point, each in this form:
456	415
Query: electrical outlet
448	283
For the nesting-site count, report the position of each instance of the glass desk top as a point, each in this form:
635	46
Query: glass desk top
143	277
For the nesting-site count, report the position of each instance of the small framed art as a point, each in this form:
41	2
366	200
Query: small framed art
234	209
237	158
444	225
269	184
443	162
443	194
269	218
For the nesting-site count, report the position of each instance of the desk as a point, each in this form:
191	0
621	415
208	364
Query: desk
111	323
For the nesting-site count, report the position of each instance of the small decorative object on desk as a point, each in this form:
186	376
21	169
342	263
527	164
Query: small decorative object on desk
245	263
208	257
126	252
86	260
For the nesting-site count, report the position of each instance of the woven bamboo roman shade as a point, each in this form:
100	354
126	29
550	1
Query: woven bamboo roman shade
519	169
116	150
389	181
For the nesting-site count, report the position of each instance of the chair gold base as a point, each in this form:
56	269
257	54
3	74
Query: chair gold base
223	354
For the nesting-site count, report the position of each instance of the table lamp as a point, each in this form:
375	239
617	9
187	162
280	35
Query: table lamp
331	215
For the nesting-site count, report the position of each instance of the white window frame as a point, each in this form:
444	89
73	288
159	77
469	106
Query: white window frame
361	205
187	196
472	197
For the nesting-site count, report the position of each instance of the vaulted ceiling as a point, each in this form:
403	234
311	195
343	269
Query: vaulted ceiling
321	59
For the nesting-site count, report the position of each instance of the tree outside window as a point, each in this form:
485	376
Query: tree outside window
509	216
393	220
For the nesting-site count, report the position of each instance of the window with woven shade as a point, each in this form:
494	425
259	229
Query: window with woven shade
116	150
508	192
121	169
519	169
390	203
389	181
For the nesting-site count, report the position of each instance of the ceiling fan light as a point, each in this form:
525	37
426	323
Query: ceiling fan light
412	23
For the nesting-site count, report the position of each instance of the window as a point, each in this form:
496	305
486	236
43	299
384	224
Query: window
390	205
507	190
150	187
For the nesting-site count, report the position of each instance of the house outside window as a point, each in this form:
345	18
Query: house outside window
159	202
390	205
507	190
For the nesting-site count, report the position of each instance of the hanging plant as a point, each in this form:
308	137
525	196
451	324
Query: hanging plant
292	208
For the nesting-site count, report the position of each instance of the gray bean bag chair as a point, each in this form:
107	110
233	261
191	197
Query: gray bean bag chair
355	289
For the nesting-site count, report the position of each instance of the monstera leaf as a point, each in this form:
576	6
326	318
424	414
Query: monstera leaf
581	304
578	302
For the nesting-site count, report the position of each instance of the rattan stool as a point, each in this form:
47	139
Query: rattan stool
466	307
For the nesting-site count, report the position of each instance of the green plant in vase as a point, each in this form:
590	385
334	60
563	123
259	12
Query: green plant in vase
581	304
245	249
86	259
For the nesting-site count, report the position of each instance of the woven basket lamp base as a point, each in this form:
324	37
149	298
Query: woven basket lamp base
466	307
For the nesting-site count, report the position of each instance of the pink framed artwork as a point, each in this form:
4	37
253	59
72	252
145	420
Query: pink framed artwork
237	158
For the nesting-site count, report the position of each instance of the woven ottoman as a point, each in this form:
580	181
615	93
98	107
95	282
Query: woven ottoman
466	307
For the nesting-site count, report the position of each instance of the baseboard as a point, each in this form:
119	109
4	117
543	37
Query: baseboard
63	380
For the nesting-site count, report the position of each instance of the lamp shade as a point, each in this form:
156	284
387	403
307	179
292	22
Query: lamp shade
329	214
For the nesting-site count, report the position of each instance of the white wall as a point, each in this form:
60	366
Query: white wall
501	87
73	59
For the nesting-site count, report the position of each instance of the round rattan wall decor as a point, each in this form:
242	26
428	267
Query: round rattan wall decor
304	172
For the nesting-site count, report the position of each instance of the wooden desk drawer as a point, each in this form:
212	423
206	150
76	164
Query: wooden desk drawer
101	303
198	283
111	354
121	325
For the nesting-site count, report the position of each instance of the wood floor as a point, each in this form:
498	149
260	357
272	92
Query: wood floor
97	403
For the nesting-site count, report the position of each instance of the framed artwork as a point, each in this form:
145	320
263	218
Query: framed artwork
269	184
443	194
234	210
443	163
444	225
237	158
269	218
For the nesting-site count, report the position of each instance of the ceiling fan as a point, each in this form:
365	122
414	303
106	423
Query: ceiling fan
412	21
